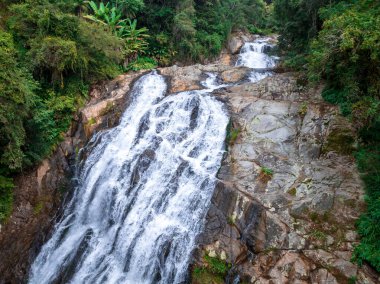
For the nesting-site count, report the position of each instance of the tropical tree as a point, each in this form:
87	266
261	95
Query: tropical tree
135	39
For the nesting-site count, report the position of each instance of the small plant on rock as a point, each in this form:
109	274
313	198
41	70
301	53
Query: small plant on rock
266	174
303	109
213	271
232	134
292	191
319	235
91	121
231	220
352	280
267	171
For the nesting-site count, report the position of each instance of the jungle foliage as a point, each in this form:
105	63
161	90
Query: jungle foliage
338	42
51	51
197	30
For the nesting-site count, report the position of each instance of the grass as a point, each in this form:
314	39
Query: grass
203	276
265	175
292	191
303	109
267	171
231	220
217	265
91	121
213	271
38	208
319	235
232	134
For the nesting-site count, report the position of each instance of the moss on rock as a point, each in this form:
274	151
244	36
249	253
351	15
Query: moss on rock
341	137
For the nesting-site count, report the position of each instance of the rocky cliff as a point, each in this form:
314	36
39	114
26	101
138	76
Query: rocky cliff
289	193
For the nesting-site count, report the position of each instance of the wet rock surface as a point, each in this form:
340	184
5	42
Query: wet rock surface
288	198
289	194
188	78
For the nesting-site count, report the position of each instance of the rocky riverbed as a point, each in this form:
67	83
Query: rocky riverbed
289	194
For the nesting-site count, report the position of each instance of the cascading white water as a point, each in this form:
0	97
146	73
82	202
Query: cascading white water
253	55
143	192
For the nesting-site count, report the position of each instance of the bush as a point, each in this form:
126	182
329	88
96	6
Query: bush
214	271
6	197
368	159
346	54
142	63
48	58
16	99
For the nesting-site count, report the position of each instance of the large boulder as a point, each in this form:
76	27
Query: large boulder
234	75
237	40
235	44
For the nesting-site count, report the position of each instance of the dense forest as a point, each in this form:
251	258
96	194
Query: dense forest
51	51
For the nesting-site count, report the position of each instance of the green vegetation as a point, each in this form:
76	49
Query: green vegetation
91	121
341	140
48	58
266	171
319	235
232	134
231	220
213	271
368	159
142	63
292	191
303	109
197	30
338	42
51	51
6	197
38	208
265	175
352	280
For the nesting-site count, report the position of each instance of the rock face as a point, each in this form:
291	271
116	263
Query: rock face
289	192
285	208
37	199
188	78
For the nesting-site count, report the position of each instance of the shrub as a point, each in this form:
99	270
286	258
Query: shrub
266	171
368	159
142	63
232	134
214	271
6	197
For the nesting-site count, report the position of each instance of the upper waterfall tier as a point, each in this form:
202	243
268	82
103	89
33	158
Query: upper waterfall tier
254	55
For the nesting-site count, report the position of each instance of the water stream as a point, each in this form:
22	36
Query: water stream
255	55
144	190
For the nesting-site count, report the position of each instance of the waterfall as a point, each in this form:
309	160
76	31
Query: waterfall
254	55
143	192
